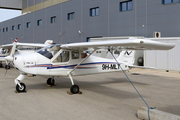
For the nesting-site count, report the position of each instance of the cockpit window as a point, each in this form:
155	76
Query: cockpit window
47	52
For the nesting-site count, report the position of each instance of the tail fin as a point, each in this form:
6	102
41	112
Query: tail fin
130	58
48	42
127	57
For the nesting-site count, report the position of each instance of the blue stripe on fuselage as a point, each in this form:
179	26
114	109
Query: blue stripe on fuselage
51	66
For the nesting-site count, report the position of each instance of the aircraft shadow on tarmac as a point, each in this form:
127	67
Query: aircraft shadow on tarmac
98	87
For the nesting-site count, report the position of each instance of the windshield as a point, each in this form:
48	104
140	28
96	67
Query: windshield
3	51
47	52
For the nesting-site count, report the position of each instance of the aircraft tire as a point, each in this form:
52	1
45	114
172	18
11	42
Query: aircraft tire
22	88
74	89
50	81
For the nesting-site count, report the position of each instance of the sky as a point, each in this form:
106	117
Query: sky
6	14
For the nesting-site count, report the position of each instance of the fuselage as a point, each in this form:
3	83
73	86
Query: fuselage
37	64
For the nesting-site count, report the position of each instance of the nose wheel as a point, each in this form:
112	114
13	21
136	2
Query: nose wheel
21	88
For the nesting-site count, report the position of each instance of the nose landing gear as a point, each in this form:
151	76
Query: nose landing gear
21	88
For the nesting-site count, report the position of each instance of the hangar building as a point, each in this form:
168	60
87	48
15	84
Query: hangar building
66	21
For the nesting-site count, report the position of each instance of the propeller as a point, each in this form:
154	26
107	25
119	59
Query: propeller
11	56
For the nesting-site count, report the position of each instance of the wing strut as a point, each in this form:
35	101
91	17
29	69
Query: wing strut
75	88
131	83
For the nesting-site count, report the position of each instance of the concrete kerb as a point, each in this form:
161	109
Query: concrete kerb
155	114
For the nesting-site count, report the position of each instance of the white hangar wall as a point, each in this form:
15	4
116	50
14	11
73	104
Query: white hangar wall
164	60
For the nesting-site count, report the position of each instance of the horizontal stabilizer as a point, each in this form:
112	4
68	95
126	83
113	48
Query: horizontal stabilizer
144	67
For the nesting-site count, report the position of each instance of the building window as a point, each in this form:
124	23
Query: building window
39	22
6	29
126	6
28	24
19	26
71	16
94	11
53	19
13	28
170	1
3	30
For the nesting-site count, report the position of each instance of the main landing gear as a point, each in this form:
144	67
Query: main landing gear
74	88
50	81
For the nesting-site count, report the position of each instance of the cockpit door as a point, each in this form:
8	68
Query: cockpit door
60	63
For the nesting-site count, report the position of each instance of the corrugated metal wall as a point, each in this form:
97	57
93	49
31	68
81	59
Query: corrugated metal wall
164	60
146	17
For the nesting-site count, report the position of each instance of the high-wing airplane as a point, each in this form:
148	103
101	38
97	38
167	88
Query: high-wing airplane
72	59
5	50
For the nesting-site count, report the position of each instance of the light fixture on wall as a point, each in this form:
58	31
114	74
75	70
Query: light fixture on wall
79	32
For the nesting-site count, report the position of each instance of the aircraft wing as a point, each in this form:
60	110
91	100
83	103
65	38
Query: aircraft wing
125	44
7	46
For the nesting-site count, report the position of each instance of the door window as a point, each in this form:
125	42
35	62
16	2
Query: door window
62	57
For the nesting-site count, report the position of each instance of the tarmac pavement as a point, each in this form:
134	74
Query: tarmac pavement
107	96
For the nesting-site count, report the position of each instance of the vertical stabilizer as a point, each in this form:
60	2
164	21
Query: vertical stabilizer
48	42
127	57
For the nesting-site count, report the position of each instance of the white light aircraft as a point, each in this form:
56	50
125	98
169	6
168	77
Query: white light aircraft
72	59
5	50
